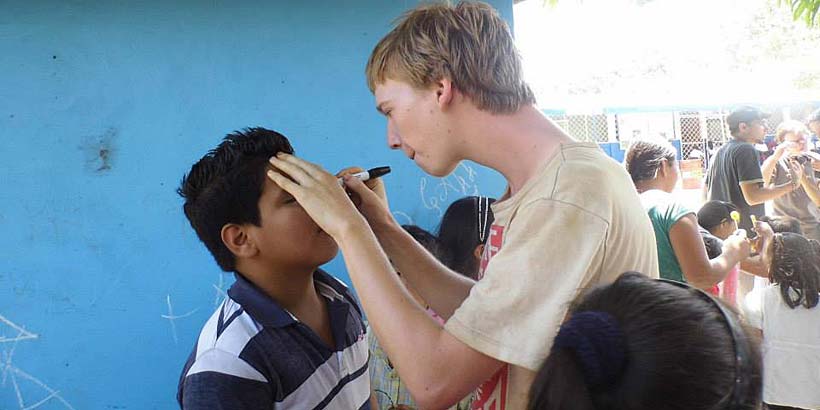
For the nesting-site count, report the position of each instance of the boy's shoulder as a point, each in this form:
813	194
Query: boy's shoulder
339	288
252	345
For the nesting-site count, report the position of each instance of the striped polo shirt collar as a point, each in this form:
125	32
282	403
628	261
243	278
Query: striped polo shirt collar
267	311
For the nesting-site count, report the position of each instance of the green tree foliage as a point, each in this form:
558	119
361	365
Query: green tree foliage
805	10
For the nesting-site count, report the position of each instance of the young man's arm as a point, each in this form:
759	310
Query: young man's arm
438	369
755	193
810	183
752	183
442	288
769	165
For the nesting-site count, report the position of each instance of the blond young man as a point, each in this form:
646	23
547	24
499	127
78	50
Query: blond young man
449	81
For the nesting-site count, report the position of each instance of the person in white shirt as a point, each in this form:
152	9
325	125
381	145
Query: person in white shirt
787	314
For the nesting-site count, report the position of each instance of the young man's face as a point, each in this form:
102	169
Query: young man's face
755	130
288	239
416	126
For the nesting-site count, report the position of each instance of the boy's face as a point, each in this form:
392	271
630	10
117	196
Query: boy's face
288	239
725	229
416	125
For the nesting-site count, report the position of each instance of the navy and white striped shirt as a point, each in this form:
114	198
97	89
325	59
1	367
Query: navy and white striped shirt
253	354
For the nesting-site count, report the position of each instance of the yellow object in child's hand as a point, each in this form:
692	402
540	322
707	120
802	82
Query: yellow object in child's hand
735	216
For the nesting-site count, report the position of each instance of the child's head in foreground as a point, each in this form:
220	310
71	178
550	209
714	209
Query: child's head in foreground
794	265
244	219
646	344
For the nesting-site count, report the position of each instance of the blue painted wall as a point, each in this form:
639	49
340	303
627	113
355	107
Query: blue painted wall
103	107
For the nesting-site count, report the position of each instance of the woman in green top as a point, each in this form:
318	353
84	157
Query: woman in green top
681	253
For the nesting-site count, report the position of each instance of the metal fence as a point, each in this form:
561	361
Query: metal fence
700	132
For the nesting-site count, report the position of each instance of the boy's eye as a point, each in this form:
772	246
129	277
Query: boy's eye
289	200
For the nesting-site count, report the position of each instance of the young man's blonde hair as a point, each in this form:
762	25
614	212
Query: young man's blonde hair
468	43
790	127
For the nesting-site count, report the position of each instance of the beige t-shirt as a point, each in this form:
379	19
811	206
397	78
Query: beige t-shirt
577	223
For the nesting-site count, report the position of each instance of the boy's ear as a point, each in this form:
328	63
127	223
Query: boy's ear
444	92
238	241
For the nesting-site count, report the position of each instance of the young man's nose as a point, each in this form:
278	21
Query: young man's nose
393	140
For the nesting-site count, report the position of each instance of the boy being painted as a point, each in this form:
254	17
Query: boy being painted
288	335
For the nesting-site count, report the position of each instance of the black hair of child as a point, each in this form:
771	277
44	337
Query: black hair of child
225	185
679	354
796	269
465	225
781	224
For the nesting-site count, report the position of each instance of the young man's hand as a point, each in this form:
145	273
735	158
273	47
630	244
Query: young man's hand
376	185
318	192
796	170
782	148
369	196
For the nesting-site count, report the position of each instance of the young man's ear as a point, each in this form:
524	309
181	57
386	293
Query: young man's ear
444	92
238	241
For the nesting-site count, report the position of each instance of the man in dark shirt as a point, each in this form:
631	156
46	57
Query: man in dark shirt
735	176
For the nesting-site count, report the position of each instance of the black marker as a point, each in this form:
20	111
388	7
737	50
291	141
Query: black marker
370	174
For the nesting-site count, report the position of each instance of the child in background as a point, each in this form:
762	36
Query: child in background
288	336
716	225
463	232
681	254
787	314
390	392
781	224
644	344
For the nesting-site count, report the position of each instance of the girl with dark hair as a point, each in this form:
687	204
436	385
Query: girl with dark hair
786	312
462	233
644	344
681	253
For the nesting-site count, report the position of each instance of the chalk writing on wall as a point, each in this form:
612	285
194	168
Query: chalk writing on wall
17	377
435	194
173	318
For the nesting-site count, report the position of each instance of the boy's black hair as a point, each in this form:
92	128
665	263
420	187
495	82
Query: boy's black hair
225	185
781	224
679	354
465	225
714	213
796	269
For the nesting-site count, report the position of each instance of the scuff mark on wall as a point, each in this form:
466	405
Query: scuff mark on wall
100	151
